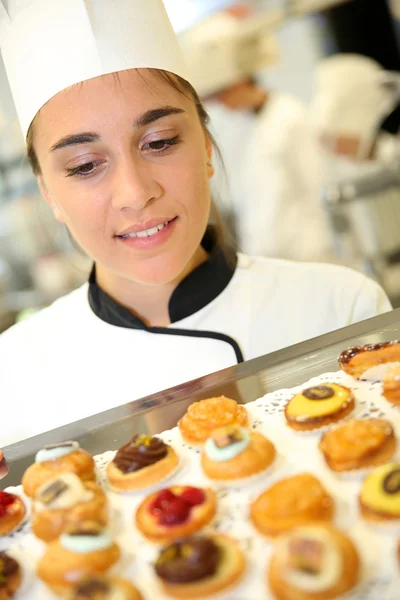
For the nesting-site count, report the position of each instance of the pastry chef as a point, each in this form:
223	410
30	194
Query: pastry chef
119	144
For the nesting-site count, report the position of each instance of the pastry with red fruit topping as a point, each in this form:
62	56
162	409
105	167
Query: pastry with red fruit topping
175	512
12	512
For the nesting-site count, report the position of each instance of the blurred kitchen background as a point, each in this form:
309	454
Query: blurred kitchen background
312	168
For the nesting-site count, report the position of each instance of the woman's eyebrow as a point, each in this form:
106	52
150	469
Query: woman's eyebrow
145	119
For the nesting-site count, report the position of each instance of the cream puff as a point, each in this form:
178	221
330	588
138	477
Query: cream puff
104	588
63	503
12	512
357	360
291	502
313	562
233	453
175	512
318	406
358	444
380	494
141	463
53	459
391	385
82	552
206	415
10	576
199	566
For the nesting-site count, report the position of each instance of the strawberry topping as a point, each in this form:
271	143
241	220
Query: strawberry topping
174	509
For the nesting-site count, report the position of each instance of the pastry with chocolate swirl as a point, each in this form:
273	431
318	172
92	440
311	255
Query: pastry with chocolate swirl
141	463
199	566
100	587
10	576
370	361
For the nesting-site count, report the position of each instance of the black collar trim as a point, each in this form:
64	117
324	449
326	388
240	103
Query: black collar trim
195	292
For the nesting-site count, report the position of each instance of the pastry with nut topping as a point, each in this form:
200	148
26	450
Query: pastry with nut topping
380	494
104	588
199	566
10	576
319	406
358	444
291	502
141	463
53	459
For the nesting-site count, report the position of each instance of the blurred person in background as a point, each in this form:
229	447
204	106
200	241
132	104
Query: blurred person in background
270	152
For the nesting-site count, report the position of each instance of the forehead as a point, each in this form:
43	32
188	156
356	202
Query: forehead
104	101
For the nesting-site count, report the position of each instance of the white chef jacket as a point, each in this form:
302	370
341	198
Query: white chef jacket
70	361
273	180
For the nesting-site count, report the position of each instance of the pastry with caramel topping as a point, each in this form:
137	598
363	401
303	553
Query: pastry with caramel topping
391	384
313	562
290	502
206	415
380	494
175	512
358	444
84	551
141	463
53	459
233	453
10	576
318	406
199	566
64	502
357	360
104	588
12	512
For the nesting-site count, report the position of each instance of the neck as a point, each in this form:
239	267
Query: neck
148	302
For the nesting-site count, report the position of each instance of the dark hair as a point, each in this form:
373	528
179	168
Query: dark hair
223	237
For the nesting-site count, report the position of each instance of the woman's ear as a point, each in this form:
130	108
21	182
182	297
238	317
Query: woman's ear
46	195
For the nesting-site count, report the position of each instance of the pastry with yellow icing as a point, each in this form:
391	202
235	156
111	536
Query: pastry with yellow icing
313	562
318	406
233	453
206	415
64	502
380	494
358	444
290	502
101	587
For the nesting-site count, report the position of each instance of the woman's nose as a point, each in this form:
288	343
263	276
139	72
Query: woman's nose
134	185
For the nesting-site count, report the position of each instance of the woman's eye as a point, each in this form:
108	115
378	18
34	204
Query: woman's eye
83	170
160	146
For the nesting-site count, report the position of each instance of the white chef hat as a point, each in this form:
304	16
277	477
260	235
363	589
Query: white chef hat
223	49
49	45
349	96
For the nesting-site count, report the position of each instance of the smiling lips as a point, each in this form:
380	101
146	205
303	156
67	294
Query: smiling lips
145	233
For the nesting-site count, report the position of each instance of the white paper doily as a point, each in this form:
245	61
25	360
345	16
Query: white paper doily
296	453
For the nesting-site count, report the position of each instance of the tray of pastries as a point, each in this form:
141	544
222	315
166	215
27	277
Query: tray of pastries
295	496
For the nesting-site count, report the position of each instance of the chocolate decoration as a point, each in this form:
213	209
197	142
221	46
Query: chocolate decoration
391	483
318	392
188	560
8	567
347	355
92	589
68	444
140	452
52	492
92	528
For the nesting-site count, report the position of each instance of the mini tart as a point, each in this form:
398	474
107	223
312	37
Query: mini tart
10	576
141	463
204	416
358	359
12	512
200	566
233	453
290	502
313	562
81	553
63	503
104	588
318	406
358	444
391	385
380	494
175	512
53	459
3	465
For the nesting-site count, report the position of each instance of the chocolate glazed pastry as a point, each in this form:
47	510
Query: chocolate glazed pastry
10	576
188	560
142	451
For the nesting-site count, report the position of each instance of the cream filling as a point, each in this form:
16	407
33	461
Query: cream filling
332	563
53	453
74	494
85	544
